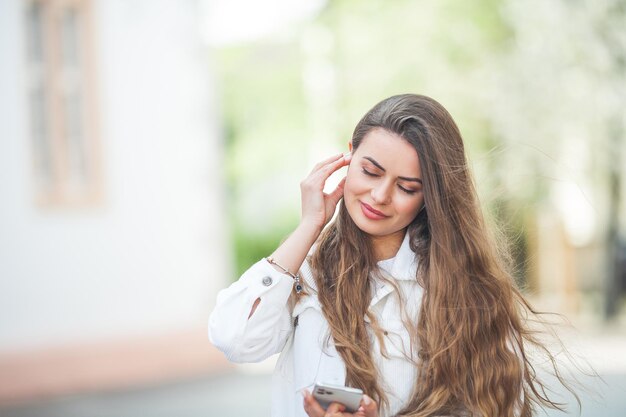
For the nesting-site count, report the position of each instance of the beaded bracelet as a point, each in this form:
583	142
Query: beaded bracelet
296	277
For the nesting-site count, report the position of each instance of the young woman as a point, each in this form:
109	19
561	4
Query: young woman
405	295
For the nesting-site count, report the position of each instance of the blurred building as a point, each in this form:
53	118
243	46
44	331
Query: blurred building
112	229
558	110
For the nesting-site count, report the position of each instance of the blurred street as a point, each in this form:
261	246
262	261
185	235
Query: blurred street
237	394
227	395
245	391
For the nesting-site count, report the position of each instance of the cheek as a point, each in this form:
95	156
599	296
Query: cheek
353	184
411	207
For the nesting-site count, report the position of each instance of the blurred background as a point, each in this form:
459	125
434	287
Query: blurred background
150	151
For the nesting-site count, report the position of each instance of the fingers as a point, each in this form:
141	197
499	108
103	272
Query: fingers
322	171
330	165
367	408
335	409
327	161
326	171
318	206
337	193
311	406
314	409
370	409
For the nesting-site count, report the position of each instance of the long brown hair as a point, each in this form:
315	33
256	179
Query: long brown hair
472	331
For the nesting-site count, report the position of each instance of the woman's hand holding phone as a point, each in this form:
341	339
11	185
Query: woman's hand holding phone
318	207
367	408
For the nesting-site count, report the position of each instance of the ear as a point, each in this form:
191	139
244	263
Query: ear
350	145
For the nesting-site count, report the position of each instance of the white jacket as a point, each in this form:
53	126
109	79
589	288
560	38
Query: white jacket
300	334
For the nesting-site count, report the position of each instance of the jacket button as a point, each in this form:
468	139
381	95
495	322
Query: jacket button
267	281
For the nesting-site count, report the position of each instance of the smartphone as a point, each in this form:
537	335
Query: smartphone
329	393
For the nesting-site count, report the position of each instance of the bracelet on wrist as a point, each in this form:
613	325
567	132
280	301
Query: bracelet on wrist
296	277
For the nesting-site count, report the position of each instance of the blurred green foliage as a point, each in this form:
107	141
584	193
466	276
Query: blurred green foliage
262	104
496	65
250	246
375	49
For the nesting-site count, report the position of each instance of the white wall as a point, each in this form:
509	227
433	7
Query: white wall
151	257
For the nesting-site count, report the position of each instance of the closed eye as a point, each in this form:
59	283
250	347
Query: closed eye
370	174
406	191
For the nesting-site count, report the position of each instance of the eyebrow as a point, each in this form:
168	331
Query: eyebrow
373	161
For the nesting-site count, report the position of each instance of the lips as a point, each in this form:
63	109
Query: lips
372	213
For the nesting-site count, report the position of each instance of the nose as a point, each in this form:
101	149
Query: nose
381	194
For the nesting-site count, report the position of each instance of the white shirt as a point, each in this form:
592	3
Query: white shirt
305	357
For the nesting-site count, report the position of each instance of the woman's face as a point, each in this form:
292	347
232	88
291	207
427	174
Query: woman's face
383	189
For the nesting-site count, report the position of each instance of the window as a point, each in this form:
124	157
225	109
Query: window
61	103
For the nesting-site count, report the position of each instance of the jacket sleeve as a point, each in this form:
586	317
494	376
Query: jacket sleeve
266	332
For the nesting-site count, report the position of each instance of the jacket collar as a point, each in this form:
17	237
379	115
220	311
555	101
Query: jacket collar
404	267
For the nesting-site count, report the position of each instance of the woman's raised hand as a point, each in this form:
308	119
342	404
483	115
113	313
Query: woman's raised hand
318	207
317	210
